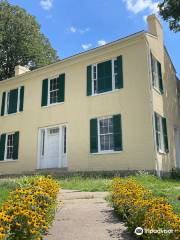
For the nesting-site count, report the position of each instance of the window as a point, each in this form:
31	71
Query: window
12	101
94	79
53	131
161	134
115	72
106	134
9	145
105	76
53	90
156	74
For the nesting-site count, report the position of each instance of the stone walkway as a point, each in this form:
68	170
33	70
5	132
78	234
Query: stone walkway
86	216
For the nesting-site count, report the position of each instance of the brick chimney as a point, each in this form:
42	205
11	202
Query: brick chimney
155	27
20	70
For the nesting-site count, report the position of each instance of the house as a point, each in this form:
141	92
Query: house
115	107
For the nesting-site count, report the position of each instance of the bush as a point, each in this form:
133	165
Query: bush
175	173
29	209
139	208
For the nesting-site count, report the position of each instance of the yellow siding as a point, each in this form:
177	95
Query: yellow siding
132	102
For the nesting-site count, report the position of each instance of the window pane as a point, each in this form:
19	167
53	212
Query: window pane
9	153
102	138
115	66
54	91
106	134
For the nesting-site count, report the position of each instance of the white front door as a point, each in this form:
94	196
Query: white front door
52	147
177	145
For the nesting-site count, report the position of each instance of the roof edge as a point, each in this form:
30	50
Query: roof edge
137	34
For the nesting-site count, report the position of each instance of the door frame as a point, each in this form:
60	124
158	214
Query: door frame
60	162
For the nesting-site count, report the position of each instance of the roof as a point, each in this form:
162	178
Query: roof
73	57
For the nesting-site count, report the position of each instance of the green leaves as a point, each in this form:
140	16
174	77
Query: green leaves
21	41
170	12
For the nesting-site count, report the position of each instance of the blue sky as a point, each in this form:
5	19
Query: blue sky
73	26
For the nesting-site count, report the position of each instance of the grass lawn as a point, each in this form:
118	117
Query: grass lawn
6	186
86	184
169	188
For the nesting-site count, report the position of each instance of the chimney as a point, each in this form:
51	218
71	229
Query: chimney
155	27
20	70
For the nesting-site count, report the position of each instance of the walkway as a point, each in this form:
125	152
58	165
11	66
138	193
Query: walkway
86	216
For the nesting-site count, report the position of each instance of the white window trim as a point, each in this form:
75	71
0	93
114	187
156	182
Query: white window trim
161	148
113	77
5	152
155	74
99	145
94	79
48	102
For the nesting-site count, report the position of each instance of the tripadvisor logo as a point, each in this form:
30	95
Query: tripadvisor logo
138	231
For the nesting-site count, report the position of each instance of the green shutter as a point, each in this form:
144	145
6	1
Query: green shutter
21	99
156	130
16	145
44	98
61	85
160	77
3	103
104	71
93	136
13	100
165	135
119	79
117	130
2	146
89	80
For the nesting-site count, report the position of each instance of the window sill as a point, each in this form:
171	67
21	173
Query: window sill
157	90
8	161
54	104
108	152
11	114
162	152
98	94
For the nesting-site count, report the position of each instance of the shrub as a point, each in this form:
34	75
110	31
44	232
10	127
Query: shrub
29	209
139	208
175	173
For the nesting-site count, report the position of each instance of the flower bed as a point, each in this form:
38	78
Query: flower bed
138	207
29	209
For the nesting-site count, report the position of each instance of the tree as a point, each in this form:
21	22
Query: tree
170	12
21	41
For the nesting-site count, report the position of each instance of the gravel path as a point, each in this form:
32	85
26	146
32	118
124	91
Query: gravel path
86	216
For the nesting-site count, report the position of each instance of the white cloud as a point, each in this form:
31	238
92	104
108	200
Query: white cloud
46	4
101	42
72	29
86	46
137	6
82	31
